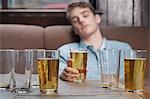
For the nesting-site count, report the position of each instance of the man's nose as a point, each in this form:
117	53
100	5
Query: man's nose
81	20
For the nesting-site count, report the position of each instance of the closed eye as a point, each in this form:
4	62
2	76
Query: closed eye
75	20
86	14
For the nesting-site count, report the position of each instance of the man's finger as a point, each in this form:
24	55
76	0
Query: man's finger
66	74
71	70
63	77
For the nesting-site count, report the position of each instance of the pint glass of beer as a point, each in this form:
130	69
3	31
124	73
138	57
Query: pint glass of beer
79	62
134	66
48	67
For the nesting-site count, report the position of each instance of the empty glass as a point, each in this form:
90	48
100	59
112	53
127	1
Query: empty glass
109	67
23	70
37	53
7	64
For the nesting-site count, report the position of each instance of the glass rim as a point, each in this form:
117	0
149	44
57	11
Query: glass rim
57	51
7	50
78	51
137	50
110	50
142	50
35	49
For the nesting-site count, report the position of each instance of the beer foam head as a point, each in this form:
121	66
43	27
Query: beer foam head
79	51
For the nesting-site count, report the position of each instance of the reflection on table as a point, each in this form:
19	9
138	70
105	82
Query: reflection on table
86	90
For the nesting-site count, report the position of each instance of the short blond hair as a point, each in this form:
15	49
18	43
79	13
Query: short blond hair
81	4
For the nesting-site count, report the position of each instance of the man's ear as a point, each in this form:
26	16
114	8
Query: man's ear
98	18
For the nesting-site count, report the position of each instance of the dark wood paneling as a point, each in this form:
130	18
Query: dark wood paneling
37	18
116	13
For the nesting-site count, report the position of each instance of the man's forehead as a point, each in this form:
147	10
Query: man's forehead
78	10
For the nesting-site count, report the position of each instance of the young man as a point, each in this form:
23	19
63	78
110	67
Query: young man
85	23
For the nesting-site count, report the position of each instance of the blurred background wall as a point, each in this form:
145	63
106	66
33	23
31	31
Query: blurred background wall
116	12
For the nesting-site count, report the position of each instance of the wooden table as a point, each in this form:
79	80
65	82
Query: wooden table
85	90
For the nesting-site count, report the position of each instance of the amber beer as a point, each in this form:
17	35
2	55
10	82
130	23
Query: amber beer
48	74
134	74
79	62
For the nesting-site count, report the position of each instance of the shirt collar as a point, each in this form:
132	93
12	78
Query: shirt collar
85	46
103	44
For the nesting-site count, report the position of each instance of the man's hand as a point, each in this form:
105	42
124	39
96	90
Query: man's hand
69	74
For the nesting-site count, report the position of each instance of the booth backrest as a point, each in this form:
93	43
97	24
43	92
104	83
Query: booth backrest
137	37
21	36
56	36
52	37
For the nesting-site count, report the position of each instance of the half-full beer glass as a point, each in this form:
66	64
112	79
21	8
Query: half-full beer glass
135	64
79	62
48	67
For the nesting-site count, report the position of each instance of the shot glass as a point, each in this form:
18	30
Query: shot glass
134	67
79	62
109	68
48	67
23	71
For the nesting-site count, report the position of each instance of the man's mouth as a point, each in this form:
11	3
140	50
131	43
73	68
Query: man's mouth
84	26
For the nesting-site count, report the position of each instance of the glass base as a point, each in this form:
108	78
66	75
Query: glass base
105	85
129	90
78	81
48	91
35	86
22	90
108	85
4	86
114	86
